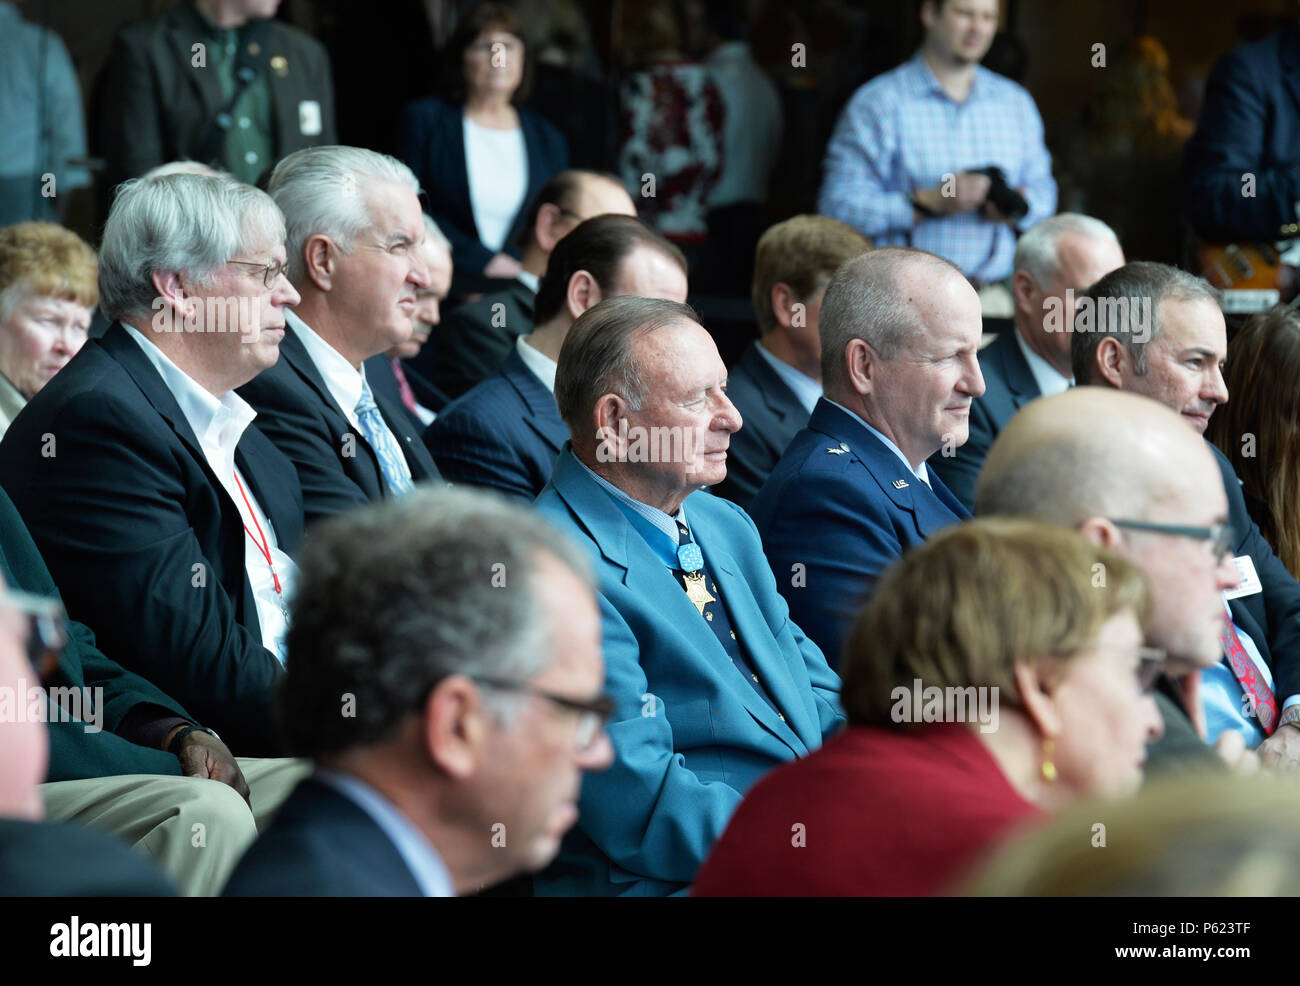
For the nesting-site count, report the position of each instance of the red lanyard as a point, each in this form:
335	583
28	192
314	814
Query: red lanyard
263	545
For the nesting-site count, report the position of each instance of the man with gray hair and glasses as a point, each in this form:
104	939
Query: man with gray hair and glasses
713	684
445	674
1055	263
1158	331
1121	469
355	238
166	521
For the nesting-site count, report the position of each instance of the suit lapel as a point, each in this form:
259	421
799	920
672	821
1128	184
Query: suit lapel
418	459
124	350
544	417
184	28
779	398
295	354
749	624
1015	369
929	512
646	577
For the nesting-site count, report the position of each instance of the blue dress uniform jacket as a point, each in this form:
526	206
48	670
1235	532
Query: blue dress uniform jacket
690	734
838	508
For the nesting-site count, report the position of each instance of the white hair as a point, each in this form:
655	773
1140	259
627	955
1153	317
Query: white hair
1036	248
319	191
188	223
432	231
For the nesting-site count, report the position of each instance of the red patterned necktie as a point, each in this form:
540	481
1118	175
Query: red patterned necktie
403	385
1252	682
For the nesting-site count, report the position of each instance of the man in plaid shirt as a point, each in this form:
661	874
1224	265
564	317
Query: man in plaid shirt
899	167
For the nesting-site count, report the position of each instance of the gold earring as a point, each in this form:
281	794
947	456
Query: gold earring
1049	768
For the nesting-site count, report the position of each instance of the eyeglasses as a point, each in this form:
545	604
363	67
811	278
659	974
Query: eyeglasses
1151	665
592	715
43	631
269	271
1220	537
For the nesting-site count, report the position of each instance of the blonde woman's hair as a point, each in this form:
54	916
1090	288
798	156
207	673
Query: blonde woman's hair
962	609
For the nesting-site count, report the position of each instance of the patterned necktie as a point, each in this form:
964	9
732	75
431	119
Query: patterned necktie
403	385
397	477
1262	700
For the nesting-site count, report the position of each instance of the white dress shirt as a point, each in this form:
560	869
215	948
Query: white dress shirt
496	162
806	389
218	424
543	366
1047	377
343	380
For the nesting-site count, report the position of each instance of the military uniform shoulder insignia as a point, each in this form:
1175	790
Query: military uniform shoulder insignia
838	451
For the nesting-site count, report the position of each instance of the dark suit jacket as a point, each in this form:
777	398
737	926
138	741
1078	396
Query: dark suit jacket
142	539
336	465
57	859
690	734
382	380
322	845
1250	124
505	433
74	752
1271	617
475	339
1009	385
156	106
832	518
431	140
772	415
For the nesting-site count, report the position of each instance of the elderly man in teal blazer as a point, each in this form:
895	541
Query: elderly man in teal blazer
713	684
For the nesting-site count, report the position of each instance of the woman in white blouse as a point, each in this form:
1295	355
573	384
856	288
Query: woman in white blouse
481	158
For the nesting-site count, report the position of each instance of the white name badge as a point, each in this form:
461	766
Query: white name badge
309	117
1250	583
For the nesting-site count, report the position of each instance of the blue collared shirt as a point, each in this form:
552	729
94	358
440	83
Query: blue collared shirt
419	855
920	472
656	527
901	133
1223	698
806	389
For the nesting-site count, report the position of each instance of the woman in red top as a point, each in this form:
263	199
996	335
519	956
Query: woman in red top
996	675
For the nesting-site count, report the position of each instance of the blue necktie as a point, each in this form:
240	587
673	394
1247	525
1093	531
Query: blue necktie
391	463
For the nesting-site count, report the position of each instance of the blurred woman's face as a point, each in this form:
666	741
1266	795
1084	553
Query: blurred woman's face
1107	719
38	338
494	64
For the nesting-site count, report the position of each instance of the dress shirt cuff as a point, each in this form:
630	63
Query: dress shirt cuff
148	724
1290	711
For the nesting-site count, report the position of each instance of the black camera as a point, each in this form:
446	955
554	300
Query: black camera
1005	199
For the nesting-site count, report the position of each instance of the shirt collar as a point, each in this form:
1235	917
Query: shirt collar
806	389
924	79
419	854
543	366
217	422
531	281
920	472
1047	377
344	382
656	527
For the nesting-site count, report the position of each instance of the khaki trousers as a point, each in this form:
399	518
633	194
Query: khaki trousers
194	829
